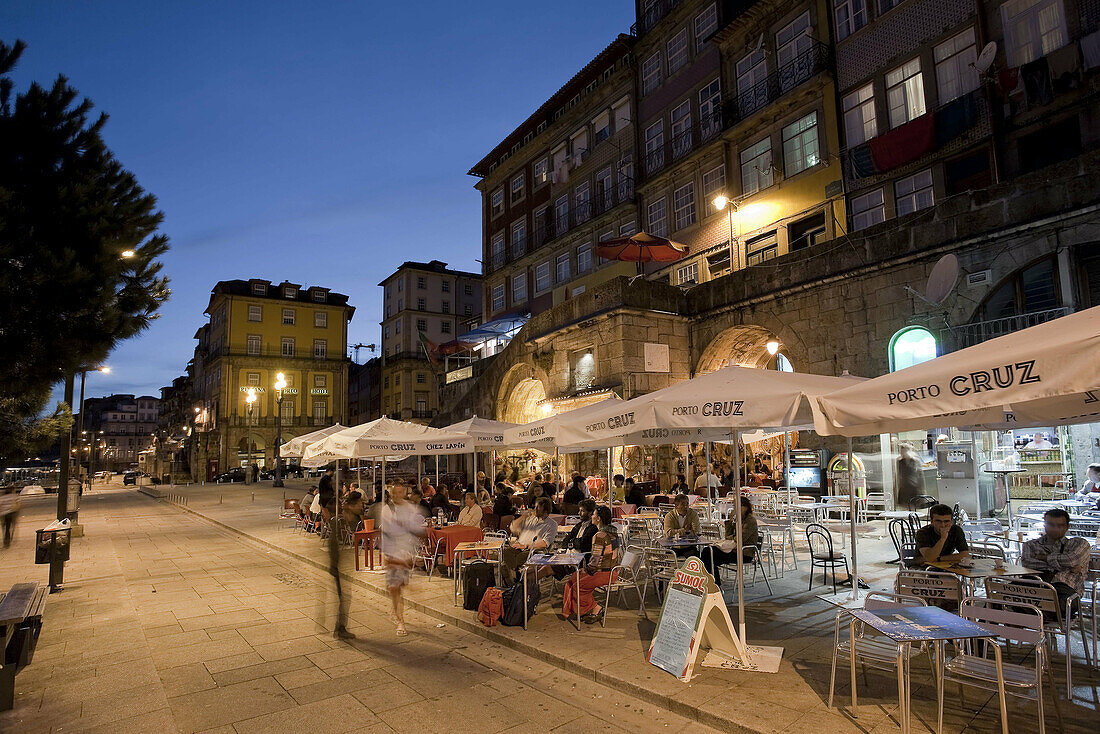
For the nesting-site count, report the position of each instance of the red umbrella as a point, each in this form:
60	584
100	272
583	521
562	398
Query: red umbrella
641	248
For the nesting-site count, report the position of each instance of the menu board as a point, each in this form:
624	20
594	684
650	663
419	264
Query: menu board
676	629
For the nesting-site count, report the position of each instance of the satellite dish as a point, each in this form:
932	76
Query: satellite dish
985	58
942	280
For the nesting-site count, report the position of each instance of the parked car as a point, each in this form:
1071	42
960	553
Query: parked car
130	477
266	474
103	475
236	474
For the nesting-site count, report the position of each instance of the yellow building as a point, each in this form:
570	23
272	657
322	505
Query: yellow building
255	331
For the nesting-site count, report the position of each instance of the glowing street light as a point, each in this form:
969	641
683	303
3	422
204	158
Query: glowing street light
773	347
127	254
280	385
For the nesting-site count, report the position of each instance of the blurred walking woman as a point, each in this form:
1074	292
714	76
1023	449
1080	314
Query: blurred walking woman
604	557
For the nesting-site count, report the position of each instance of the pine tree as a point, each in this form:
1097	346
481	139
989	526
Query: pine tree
70	215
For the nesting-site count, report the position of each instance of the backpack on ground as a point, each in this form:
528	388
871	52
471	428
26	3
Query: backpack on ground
513	603
477	576
492	607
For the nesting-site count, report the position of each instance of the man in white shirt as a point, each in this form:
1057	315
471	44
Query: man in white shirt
707	478
1090	490
535	530
1038	442
471	514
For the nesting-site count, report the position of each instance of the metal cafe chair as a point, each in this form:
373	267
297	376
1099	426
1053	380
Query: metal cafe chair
904	543
938	588
871	650
972	666
921	502
979	549
626	576
660	566
1042	596
822	554
429	556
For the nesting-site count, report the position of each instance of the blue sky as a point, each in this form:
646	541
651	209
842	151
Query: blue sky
323	143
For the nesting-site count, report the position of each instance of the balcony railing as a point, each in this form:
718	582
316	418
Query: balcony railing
651	14
551	226
243	421
745	102
682	143
967	335
303	352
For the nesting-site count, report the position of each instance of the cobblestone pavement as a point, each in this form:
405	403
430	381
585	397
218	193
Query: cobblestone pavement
168	623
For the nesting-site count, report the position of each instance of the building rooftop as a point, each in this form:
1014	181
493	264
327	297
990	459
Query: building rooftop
435	266
276	292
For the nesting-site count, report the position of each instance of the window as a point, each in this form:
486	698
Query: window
400	304
601	128
320	380
626	178
800	145
444	326
584	257
605	192
519	238
579	144
290	292
519	288
255	313
658	224
561	269
561	213
628	229
620	113
445	286
687	274
400	287
867	209
498	250
681	129
710	109
1033	28
496	207
320	319
752	82
760	248
1035	288
446	306
539	175
651	73
705	24
287	346
677	51
791	42
756	167
955	72
320	410
714	181
851	15
655	145
421	283
467	289
288	317
885	5
905	93
319	295
517	188
805	232
253	378
421	378
583	200
320	348
911	346
259	289
683	206
859	116
718	263
913	193
557	167
421	305
386	331
397	380
468	310
542	277
603	237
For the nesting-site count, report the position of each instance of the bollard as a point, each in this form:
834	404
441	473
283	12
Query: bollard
219	499
253	496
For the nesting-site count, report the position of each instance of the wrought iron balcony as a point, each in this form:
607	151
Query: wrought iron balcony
682	143
550	226
967	335
802	68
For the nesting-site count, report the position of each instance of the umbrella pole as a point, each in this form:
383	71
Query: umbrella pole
418	468
707	474
740	560
437	471
608	470
787	462
473	471
852	521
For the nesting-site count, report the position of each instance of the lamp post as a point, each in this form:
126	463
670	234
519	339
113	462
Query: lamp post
80	416
280	383
250	399
724	202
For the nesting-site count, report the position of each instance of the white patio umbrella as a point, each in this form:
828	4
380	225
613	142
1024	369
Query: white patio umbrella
1046	373
297	445
387	437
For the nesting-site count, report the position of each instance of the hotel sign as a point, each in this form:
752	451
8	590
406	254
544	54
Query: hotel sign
319	391
463	373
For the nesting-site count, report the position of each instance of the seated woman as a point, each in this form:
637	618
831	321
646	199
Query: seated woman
726	552
502	505
597	573
440	501
483	496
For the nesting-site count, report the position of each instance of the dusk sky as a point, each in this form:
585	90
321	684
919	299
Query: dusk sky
322	143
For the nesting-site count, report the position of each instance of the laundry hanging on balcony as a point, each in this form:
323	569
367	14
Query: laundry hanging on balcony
955	118
903	144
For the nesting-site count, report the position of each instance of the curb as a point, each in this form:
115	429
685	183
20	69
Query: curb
634	690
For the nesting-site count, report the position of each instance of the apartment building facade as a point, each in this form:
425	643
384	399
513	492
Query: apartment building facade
424	304
117	429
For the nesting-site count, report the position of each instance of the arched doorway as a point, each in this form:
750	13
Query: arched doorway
250	449
524	402
747	346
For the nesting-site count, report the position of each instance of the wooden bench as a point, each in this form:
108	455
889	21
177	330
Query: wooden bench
20	624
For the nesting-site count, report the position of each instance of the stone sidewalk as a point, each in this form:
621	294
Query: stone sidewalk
168	623
793	700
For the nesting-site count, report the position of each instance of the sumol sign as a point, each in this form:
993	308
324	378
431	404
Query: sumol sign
997	378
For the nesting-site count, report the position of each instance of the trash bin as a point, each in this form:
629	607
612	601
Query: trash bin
52	544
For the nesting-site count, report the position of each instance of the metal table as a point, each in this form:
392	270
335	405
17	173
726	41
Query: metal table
571	558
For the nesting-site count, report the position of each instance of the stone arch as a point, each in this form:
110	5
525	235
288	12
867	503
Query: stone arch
745	345
520	394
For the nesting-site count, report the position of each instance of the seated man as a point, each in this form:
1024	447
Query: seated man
634	494
680	487
1062	562
726	552
618	487
1090	490
502	504
535	531
707	479
682	521
579	538
471	514
940	540
576	493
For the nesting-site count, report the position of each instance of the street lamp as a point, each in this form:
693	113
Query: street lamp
250	399
724	202
127	254
280	384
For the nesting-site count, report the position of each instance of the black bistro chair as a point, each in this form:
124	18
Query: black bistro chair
922	502
904	538
822	554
